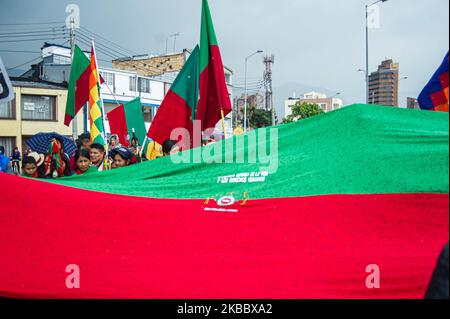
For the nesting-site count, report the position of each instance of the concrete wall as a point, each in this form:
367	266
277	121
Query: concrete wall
18	128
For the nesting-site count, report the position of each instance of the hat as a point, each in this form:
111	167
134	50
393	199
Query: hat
122	151
85	136
38	157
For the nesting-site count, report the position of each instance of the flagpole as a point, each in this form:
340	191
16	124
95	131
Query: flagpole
102	107
223	124
110	91
100	93
142	147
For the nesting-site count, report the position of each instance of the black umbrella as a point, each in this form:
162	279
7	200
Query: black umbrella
41	142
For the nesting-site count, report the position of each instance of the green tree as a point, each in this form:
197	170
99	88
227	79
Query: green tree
302	110
260	118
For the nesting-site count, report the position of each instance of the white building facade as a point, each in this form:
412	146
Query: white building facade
326	104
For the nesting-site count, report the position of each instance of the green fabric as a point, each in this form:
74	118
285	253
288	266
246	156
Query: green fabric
207	36
186	84
359	149
79	65
135	119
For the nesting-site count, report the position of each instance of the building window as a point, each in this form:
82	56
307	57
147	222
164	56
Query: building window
8	110
109	80
132	84
144	85
148	114
38	108
8	143
59	59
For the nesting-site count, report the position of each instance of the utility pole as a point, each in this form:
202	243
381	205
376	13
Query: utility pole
268	61
72	50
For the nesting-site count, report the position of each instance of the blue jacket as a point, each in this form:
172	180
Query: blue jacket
4	162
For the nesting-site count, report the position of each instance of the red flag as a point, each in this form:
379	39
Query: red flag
214	96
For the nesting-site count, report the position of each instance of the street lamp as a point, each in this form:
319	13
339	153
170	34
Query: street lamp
367	47
245	88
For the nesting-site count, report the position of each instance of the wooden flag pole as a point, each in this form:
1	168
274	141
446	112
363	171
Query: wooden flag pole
143	146
223	124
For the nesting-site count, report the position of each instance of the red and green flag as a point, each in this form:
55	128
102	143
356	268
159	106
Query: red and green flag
179	106
363	192
214	96
126	119
78	91
80	64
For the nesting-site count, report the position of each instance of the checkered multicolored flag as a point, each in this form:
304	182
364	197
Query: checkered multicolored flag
435	95
95	107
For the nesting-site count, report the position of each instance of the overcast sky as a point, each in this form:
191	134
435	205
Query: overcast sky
318	44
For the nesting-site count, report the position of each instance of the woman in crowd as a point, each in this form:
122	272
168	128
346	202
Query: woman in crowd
83	162
114	142
122	157
57	163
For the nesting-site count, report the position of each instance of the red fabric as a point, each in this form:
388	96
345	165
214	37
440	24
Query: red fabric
67	119
118	124
173	113
127	247
82	91
213	92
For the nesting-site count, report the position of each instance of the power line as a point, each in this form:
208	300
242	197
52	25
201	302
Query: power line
31	23
18	51
109	41
86	37
30	29
27	40
43	34
33	32
99	49
28	62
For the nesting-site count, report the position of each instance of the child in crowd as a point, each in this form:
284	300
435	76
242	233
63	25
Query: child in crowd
29	167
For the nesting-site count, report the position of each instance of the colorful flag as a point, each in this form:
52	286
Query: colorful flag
78	91
435	95
214	97
125	119
80	64
317	227
179	107
95	103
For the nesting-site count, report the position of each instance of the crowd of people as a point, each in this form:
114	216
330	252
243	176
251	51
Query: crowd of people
89	157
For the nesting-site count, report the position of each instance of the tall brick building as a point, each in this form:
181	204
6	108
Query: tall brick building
383	84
